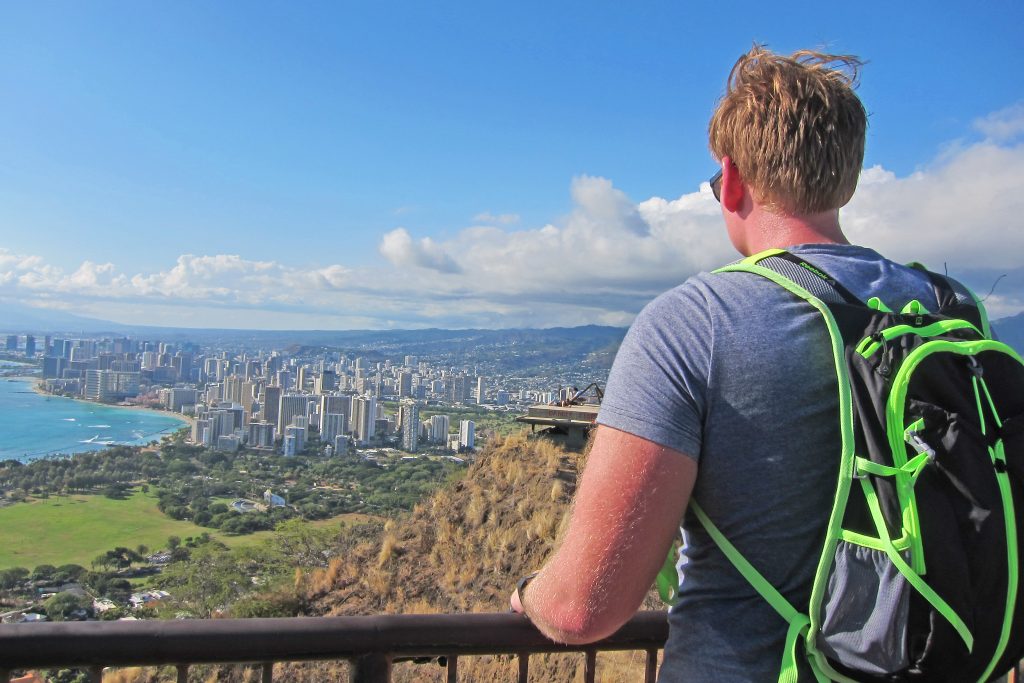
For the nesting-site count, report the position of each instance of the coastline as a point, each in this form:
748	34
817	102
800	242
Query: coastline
37	388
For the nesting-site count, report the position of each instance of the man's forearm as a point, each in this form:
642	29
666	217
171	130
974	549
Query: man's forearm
627	510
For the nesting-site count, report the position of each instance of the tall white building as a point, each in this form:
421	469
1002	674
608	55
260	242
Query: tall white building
261	435
409	416
467	439
364	418
439	425
481	392
332	425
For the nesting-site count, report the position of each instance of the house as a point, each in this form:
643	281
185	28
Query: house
101	605
161	557
148	598
272	500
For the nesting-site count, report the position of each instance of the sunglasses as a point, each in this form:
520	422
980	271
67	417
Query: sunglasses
716	185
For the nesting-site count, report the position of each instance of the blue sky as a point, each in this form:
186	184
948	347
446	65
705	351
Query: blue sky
339	165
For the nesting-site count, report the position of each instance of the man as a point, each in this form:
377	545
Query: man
724	389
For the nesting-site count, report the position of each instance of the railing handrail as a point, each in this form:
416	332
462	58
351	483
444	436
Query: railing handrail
199	641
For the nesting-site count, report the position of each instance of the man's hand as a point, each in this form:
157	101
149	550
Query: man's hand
632	496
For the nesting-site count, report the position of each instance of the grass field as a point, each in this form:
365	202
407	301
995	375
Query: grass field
75	529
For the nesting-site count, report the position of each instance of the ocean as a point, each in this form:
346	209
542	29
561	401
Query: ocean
34	426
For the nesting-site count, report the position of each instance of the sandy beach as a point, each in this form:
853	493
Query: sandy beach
37	386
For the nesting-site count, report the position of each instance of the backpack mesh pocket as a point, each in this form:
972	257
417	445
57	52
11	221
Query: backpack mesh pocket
865	611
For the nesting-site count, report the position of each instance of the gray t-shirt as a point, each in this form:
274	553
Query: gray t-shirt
737	373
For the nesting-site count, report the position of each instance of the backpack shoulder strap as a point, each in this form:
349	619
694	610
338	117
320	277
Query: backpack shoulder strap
796	274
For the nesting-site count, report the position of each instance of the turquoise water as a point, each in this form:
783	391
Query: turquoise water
33	426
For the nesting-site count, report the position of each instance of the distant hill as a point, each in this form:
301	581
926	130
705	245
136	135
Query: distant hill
17	318
1011	331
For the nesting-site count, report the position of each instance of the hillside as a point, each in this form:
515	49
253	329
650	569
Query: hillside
462	550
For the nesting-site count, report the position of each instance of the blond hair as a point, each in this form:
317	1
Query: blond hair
794	128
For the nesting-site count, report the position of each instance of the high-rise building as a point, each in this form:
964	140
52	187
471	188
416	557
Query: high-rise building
202	432
457	390
233	388
364	418
411	361
332	425
404	384
177	397
292	405
466	435
30	346
332	404
296	434
326	382
271	404
261	434
481	392
52	367
439	425
12	342
409	417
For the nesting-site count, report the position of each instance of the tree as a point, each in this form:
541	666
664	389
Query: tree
62	605
43	572
68	572
209	581
303	545
13	577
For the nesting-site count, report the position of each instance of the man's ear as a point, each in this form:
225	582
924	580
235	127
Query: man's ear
733	187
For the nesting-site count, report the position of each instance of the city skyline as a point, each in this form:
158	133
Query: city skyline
342	167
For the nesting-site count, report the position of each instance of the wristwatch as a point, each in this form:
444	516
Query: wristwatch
521	586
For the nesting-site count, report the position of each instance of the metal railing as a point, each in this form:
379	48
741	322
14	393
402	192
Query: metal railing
371	644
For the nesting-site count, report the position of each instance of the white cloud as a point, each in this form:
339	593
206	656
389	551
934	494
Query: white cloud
965	211
600	263
399	248
1004	125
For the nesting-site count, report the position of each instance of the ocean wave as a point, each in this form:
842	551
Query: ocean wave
69	419
98	426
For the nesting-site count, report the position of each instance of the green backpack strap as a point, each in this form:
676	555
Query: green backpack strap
803	625
798	623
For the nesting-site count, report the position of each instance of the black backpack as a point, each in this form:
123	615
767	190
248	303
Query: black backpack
920	568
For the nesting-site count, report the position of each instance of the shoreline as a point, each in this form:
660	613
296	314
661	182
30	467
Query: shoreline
37	388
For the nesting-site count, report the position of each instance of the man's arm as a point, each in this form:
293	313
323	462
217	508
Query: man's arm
631	498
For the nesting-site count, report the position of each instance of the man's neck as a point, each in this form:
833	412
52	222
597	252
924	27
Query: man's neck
774	230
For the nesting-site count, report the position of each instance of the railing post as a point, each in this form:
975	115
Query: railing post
95	674
651	669
268	672
524	666
182	673
5	675
453	669
371	668
590	666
